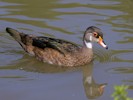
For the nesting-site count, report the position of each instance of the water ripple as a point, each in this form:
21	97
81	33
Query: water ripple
103	56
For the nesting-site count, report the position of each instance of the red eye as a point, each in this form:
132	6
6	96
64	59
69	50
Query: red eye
95	34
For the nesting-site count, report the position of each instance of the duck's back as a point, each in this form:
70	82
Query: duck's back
59	45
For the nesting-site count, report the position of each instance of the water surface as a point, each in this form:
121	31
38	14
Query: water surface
24	78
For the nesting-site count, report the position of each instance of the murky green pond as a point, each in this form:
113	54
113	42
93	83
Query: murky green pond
24	78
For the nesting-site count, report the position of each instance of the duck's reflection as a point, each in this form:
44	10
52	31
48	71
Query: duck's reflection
93	90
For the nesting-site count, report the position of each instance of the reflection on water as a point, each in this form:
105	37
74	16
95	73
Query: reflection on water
65	19
92	89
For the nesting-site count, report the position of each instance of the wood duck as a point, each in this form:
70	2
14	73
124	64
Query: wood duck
57	51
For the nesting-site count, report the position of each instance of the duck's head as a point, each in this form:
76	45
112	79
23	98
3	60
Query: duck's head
93	34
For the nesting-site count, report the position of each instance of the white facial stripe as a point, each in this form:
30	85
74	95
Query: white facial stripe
88	44
90	38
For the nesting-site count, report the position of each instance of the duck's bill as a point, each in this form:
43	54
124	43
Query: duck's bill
102	43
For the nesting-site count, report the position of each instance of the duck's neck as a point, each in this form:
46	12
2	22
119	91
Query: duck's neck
87	51
88	45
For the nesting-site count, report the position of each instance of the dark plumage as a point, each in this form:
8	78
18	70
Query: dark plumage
57	51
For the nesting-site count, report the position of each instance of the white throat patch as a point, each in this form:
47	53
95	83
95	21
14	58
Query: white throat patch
88	44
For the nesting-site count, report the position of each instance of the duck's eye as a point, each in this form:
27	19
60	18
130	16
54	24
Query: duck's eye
95	34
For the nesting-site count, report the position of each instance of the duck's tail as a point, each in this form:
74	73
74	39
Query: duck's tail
17	36
14	33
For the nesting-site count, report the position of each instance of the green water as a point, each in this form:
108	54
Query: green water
24	78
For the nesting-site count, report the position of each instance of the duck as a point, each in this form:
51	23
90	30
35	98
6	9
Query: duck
58	51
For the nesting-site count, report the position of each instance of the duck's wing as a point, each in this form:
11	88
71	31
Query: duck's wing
42	42
60	45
